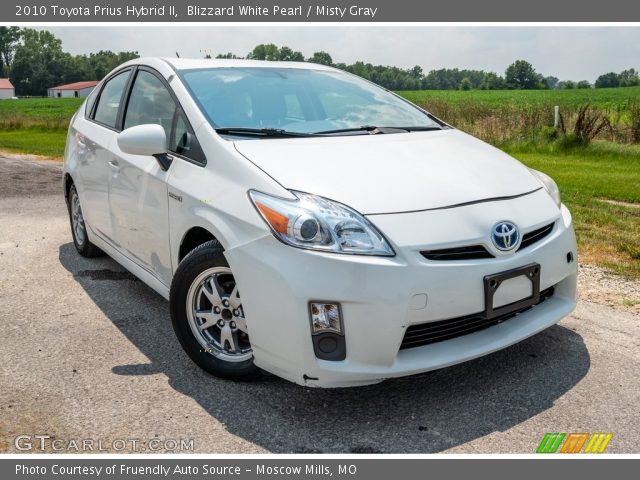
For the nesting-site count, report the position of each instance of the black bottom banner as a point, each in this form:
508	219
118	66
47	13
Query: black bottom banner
316	468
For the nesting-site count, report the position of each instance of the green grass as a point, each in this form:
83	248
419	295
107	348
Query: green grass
37	111
607	98
36	141
600	184
36	125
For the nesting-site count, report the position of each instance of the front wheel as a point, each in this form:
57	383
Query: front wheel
79	228
207	314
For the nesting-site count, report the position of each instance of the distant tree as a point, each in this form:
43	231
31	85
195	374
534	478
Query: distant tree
263	51
521	75
104	61
552	82
608	80
417	72
567	85
288	55
629	78
583	84
450	78
492	81
443	79
9	38
465	84
39	63
322	58
228	55
77	69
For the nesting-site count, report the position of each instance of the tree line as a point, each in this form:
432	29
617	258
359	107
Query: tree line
520	75
34	61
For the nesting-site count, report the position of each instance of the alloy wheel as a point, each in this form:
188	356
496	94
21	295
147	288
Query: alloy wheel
216	317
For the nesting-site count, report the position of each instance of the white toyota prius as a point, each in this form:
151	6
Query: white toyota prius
306	222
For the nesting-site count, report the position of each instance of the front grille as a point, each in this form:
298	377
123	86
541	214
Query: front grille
460	253
474	252
433	332
530	238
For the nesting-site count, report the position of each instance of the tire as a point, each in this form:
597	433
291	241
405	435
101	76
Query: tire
203	292
78	227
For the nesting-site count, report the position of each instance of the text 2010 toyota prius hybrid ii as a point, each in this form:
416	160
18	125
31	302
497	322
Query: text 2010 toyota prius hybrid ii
306	222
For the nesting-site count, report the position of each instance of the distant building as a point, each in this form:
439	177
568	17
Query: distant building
6	89
78	89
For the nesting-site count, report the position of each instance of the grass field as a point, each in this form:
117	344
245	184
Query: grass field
600	183
505	116
37	112
36	141
36	125
609	98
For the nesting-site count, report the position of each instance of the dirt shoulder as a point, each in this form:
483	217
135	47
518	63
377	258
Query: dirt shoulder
596	285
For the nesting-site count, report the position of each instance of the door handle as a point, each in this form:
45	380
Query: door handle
114	166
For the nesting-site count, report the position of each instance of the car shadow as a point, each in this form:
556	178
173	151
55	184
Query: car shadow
420	414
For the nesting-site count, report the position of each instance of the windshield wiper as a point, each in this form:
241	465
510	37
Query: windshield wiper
366	129
261	132
281	133
373	130
423	129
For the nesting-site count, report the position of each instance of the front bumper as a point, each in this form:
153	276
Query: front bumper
381	297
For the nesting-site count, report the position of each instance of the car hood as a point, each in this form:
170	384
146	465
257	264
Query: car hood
392	173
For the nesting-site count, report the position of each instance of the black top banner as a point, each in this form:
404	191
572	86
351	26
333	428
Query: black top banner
73	11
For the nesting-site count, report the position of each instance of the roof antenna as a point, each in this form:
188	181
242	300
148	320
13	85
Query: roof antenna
177	55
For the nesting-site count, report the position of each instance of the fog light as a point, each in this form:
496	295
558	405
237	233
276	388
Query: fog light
325	317
327	332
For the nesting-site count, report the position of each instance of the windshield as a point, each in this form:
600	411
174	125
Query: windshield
298	100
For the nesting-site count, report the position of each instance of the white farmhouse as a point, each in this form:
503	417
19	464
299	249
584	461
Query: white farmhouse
77	89
6	89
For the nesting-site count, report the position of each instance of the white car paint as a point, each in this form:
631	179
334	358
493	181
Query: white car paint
430	169
422	190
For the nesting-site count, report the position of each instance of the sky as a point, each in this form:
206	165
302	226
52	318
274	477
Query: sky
569	53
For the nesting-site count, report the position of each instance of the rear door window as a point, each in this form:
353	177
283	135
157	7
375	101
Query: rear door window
110	98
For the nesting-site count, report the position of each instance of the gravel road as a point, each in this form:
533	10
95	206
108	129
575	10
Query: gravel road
88	352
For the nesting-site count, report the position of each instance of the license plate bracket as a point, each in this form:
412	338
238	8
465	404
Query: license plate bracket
492	283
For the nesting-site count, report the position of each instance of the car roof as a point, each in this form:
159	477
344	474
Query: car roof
196	63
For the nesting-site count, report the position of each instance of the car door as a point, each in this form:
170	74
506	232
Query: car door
94	139
138	185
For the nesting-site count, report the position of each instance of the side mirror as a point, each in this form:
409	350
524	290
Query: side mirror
149	139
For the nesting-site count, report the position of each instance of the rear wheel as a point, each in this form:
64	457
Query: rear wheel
79	228
207	314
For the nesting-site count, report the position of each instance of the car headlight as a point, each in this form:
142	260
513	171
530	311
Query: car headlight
549	185
318	223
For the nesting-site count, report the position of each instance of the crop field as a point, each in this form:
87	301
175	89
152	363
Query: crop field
49	113
506	116
36	125
599	179
606	98
600	184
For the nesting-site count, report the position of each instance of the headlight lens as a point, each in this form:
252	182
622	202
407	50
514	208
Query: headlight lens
320	224
549	185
